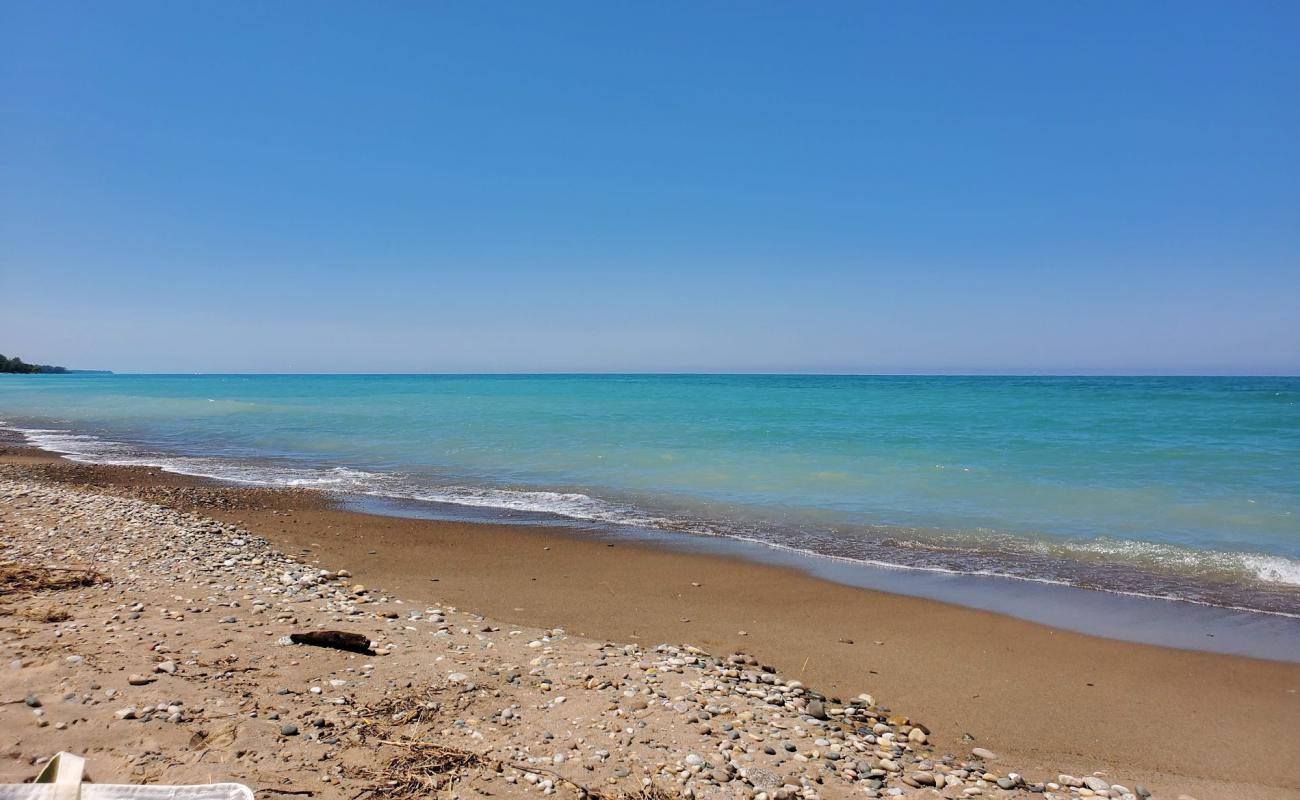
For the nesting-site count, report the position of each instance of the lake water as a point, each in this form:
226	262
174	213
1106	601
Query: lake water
1179	488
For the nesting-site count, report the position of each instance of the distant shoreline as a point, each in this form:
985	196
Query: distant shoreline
62	371
16	366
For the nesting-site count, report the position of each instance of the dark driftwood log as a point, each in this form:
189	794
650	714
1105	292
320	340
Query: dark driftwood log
339	640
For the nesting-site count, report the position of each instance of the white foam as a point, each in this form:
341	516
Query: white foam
91	449
1263	567
572	505
582	507
1273	569
988	573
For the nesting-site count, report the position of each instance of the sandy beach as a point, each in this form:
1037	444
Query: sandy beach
651	401
1047	702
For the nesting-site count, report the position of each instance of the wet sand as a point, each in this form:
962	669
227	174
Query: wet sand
1204	724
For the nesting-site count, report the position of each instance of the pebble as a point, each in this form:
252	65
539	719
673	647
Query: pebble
677	718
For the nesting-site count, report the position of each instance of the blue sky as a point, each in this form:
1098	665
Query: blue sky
853	187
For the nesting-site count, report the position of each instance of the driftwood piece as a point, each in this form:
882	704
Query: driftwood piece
339	640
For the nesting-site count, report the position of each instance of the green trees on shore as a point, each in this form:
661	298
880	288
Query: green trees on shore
16	364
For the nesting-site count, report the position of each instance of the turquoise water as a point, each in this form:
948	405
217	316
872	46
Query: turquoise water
1185	488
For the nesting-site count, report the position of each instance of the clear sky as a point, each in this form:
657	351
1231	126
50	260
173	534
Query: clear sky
757	186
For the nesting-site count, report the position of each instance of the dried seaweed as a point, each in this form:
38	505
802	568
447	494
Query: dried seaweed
651	792
413	708
48	614
26	579
423	767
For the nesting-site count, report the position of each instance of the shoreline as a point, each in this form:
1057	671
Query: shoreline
1042	697
1223	581
1102	613
1127	610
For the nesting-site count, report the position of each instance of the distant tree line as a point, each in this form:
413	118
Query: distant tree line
16	364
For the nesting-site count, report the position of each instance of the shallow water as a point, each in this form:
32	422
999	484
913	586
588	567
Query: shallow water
1179	488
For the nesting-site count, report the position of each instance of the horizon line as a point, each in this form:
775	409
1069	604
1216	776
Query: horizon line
705	373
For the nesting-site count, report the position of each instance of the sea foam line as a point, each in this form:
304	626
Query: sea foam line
986	573
572	505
